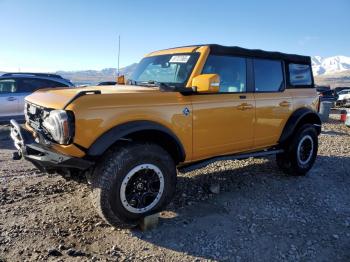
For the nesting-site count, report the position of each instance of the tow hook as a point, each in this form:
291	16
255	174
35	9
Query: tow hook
16	155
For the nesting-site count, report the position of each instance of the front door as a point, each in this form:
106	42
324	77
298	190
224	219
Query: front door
223	123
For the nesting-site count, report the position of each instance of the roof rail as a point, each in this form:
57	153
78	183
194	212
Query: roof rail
33	74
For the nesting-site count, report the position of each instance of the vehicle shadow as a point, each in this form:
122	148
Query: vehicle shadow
7	144
258	214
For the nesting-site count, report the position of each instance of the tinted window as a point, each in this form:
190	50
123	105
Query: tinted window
344	92
268	75
50	83
28	85
299	75
232	72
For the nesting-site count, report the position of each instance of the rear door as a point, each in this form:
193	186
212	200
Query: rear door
273	101
9	98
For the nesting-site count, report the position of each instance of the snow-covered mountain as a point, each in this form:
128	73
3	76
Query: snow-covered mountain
330	65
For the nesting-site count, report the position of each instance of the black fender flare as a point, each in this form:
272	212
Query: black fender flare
116	133
299	117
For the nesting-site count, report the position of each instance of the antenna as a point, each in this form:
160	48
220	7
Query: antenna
118	54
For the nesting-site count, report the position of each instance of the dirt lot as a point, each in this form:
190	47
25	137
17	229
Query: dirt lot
259	214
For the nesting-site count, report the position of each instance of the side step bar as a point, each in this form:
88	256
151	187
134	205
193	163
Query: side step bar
204	163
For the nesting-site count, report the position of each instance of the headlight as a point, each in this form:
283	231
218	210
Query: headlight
60	126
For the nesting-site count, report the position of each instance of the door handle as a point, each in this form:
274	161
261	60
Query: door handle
11	98
284	104
244	106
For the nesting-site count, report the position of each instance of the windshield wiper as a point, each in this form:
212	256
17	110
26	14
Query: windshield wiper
150	83
165	87
161	85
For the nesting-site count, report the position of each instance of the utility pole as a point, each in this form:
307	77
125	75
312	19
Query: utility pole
118	55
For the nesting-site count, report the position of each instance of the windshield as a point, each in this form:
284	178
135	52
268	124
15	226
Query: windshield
173	70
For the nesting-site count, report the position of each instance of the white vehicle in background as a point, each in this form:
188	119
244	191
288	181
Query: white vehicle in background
344	98
14	87
344	94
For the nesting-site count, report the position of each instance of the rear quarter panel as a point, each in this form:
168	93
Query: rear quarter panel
305	97
271	118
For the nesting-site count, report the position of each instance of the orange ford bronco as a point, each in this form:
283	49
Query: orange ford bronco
182	108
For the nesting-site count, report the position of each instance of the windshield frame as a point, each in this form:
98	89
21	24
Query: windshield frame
196	56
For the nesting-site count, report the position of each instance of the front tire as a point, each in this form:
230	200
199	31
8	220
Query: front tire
300	154
133	180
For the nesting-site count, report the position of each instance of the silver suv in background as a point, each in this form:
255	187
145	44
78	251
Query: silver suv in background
14	87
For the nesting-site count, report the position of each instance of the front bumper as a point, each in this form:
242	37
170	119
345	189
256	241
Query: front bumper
43	157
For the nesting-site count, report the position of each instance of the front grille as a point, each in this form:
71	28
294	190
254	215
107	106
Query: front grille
35	115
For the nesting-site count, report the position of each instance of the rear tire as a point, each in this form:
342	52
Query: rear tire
300	154
132	181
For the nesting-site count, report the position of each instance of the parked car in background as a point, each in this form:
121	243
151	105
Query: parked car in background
340	88
343	97
321	89
329	95
107	83
14	87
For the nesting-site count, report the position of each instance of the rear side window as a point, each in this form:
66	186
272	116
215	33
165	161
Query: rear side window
50	83
300	75
232	72
268	75
7	86
28	85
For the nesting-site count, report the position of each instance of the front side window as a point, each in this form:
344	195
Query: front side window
300	75
173	69
268	75
8	86
232	72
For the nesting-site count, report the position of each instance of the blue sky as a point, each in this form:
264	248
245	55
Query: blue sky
40	35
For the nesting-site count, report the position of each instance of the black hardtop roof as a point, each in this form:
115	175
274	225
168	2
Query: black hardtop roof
236	50
240	51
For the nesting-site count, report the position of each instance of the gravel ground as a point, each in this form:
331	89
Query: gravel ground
258	215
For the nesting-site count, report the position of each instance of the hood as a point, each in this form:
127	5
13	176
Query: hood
58	98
